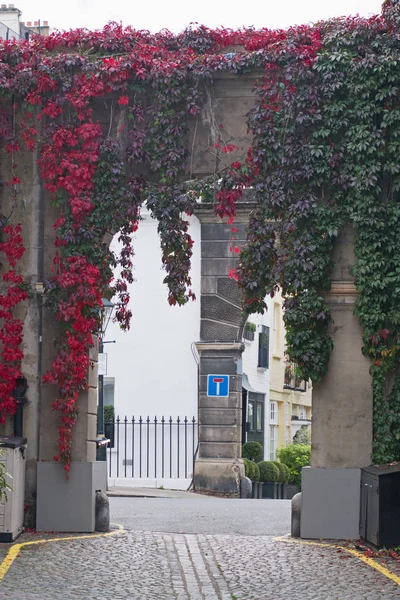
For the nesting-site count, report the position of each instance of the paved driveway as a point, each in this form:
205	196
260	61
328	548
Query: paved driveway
227	551
203	514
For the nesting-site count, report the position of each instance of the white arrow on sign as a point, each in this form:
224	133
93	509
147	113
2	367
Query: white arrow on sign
218	381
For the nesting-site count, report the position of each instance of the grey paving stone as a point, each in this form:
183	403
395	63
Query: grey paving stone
169	566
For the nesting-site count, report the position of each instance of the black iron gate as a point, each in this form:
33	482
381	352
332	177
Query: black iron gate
151	448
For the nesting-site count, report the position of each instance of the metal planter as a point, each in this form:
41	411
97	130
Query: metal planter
269	490
289	490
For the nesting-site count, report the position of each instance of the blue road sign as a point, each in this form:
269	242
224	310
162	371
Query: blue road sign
218	386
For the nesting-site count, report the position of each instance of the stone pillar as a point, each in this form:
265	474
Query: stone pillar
219	467
65	504
342	402
342	415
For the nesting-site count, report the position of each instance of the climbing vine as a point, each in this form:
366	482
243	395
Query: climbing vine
107	112
326	143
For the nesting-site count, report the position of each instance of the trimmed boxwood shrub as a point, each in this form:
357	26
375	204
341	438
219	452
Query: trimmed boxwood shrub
256	472
248	468
251	470
268	471
284	472
252	450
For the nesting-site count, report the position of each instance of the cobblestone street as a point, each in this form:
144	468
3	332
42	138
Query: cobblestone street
188	566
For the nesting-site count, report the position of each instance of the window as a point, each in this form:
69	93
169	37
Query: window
250	414
302	413
287	436
272	442
291	380
263	347
259	416
273	414
109	391
287	406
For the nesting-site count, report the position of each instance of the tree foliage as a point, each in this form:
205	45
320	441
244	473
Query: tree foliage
295	457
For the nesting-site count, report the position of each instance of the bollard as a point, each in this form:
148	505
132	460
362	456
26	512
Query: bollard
245	488
102	514
296	512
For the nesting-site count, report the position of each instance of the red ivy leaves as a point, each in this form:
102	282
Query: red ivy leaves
11	333
81	282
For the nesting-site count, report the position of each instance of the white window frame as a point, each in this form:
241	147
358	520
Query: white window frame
302	413
273	438
287	411
276	328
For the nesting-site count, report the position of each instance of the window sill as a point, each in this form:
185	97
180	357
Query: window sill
277	356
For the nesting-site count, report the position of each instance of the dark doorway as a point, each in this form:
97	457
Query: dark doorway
252	417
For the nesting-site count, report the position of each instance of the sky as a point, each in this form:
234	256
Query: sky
175	15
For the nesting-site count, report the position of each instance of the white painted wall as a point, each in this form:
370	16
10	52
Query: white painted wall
154	369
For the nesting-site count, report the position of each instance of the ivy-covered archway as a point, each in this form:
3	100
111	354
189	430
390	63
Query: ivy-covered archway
325	153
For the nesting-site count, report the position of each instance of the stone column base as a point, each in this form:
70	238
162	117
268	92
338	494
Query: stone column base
219	476
69	504
330	503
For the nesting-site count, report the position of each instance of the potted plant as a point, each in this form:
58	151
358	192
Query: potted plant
249	331
284	475
287	491
295	457
252	450
252	471
269	476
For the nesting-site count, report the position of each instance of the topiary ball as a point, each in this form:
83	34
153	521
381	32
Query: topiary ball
268	471
252	450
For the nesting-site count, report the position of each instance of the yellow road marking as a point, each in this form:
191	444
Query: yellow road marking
365	559
16	548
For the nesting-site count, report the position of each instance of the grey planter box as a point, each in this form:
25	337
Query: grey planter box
256	487
290	490
269	490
